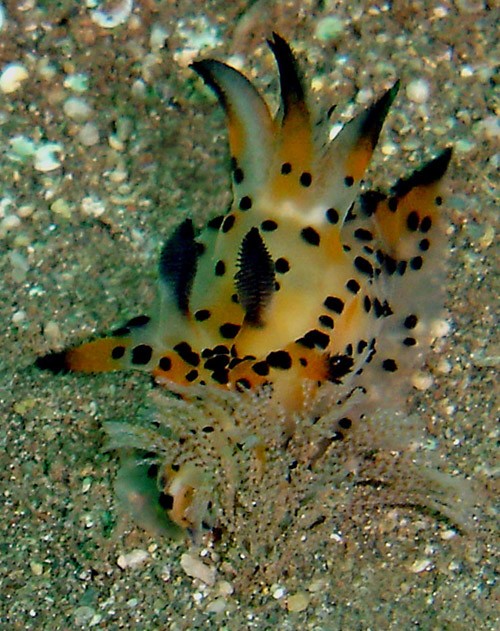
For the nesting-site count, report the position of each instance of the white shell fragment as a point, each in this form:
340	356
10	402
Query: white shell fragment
2	16
46	158
114	16
12	77
132	559
197	569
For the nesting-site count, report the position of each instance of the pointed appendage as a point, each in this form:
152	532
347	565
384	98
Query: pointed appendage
103	355
413	205
348	155
249	122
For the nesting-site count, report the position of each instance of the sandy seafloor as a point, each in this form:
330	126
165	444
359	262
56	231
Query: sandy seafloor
79	243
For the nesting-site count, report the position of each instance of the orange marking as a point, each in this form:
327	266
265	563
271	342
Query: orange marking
96	356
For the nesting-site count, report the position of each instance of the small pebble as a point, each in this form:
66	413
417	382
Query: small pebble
329	29
197	569
448	534
89	135
12	77
418	90
132	559
217	606
278	592
36	568
298	602
61	207
83	615
18	317
78	82
422	381
52	333
421	565
92	207
77	109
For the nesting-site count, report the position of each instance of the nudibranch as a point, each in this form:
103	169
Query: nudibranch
308	279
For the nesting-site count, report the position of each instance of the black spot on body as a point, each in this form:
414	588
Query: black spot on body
229	330
363	235
416	263
345	423
392	204
338	367
305	179
326	321
165	364
221	376
413	221
349	181
411	321
310	235
191	376
279	359
353	286
369	202
245	203
166	501
286	168
228	223
313	339
201	315
425	224
238	175
186	353
268	225
220	349
217	362
401	267
261	369
118	352
220	268
216	222
122	331
281	265
363	265
362	344
390	265
334	304
138	321
389	365
367	304
141	354
424	245
409	341
332	216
